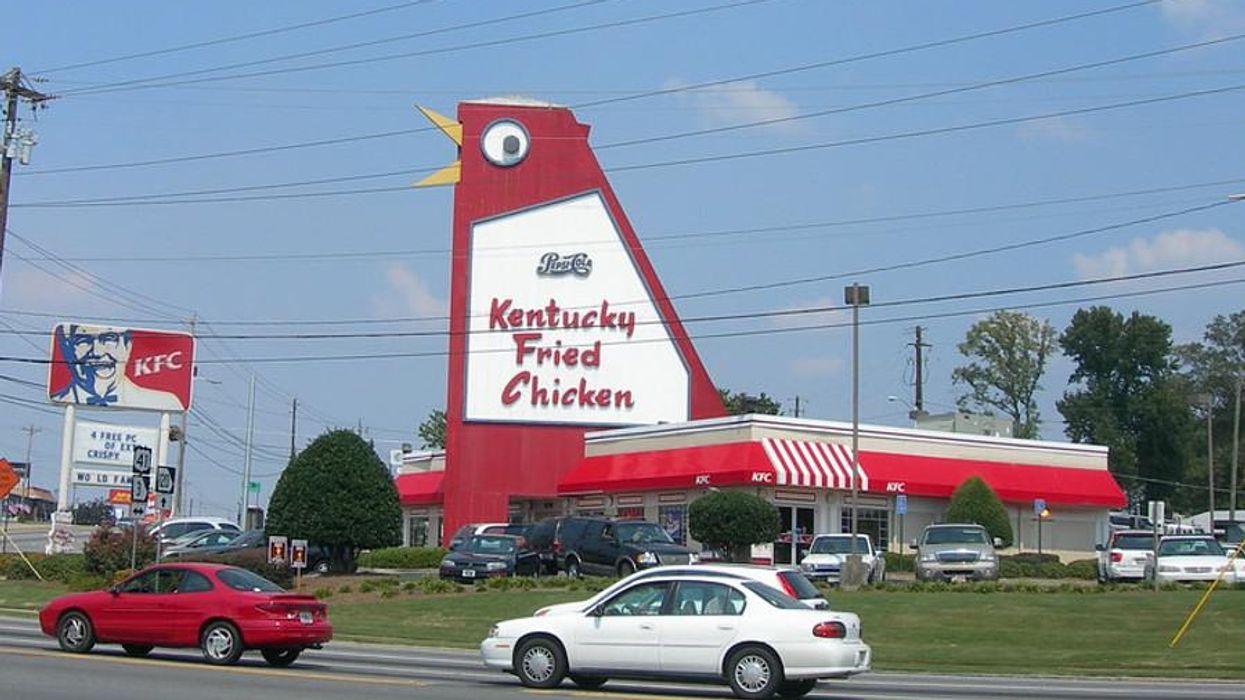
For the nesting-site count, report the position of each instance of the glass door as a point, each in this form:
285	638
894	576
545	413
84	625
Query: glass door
796	535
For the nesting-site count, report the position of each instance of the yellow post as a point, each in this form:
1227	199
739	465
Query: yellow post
1205	596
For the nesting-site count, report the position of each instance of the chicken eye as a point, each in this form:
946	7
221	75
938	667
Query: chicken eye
505	143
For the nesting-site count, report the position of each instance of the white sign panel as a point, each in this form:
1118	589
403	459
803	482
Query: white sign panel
562	328
112	445
106	478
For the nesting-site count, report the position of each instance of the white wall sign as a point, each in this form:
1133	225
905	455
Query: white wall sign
105	478
112	445
562	328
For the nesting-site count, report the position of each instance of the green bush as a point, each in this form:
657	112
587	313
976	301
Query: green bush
108	550
898	561
975	502
16	569
83	581
323	593
62	567
730	521
433	584
345	589
403	558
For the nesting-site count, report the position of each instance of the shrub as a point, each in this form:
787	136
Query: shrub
432	584
83	581
388	592
62	567
345	589
16	569
975	502
108	550
730	521
1083	569
403	558
897	561
96	512
323	593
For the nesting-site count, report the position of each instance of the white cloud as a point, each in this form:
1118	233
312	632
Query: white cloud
741	102
1057	128
1208	17
407	294
1170	249
817	366
831	314
31	288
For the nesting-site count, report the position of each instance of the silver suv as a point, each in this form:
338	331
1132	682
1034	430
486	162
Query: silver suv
957	552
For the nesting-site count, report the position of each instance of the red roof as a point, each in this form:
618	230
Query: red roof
827	465
420	488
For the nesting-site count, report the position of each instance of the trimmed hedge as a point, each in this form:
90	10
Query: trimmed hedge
896	561
59	567
403	558
1046	566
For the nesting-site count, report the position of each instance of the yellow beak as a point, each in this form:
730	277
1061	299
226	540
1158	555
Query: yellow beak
451	173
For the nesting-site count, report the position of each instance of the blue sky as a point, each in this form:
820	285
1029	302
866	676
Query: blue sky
825	210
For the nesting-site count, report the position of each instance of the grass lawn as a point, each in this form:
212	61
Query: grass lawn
1121	633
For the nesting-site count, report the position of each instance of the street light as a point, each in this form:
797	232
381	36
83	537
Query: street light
855	296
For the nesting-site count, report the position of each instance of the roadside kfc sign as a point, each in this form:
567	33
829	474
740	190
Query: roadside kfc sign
129	368
563	329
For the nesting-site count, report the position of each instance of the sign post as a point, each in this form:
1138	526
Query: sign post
138	495
901	509
1158	514
298	560
8	479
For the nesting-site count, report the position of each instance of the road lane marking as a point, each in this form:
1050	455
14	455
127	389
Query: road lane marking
612	694
239	670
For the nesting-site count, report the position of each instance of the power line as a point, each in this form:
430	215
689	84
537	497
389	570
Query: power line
235	38
634	96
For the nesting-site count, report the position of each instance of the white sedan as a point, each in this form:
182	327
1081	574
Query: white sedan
708	628
1185	558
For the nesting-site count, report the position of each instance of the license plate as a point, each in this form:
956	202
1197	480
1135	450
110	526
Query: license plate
304	617
959	578
469	573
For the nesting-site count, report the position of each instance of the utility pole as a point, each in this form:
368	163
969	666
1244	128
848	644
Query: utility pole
181	445
246	469
797	406
918	404
1236	447
30	431
14	143
293	425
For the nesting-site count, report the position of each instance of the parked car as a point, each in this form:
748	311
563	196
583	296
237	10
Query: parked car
486	556
199	539
956	551
1188	558
605	547
711	628
173	528
785	579
1122	520
209	544
223	610
827	553
466	532
1125	555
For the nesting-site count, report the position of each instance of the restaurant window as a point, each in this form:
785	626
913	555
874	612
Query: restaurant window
874	522
631	513
417	532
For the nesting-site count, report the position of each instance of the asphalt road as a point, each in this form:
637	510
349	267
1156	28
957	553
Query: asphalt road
32	538
33	668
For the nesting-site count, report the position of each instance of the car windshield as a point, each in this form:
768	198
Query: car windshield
1133	542
775	598
642	533
839	545
489	544
955	535
1192	547
243	580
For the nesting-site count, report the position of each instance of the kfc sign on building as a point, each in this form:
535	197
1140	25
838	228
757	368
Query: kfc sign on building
128	368
566	338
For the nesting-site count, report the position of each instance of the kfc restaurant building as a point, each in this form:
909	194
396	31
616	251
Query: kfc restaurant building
573	386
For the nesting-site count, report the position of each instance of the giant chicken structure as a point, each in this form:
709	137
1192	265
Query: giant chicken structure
558	322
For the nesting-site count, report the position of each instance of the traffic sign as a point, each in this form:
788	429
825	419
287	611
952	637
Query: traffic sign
164	502
253	486
1039	505
138	495
165	480
277	549
901	504
298	554
8	478
142	459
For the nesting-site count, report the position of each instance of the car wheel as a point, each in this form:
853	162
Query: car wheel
221	644
540	663
572	568
280	657
754	673
75	633
321	567
137	649
588	682
796	689
626	568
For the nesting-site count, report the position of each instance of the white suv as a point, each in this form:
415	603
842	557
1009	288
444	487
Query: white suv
173	528
1125	555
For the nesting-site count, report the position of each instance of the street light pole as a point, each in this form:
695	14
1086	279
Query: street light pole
855	296
1210	458
1236	447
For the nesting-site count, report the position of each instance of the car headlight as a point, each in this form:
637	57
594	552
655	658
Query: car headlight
495	565
988	558
1169	569
929	557
646	558
693	558
448	563
808	566
494	631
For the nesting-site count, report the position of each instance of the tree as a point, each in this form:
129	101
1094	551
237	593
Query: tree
975	502
338	494
95	512
742	403
1127	395
1211	370
730	521
1007	355
432	430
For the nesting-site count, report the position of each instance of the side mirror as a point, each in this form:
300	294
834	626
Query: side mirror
998	541
912	545
1100	547
597	611
115	591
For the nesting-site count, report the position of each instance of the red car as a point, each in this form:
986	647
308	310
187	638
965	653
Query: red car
221	609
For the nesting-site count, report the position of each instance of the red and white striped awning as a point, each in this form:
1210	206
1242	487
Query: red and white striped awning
823	465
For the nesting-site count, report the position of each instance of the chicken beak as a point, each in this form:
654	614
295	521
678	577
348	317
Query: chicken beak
451	173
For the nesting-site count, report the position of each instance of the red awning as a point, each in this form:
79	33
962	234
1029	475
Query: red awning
710	465
938	477
420	488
